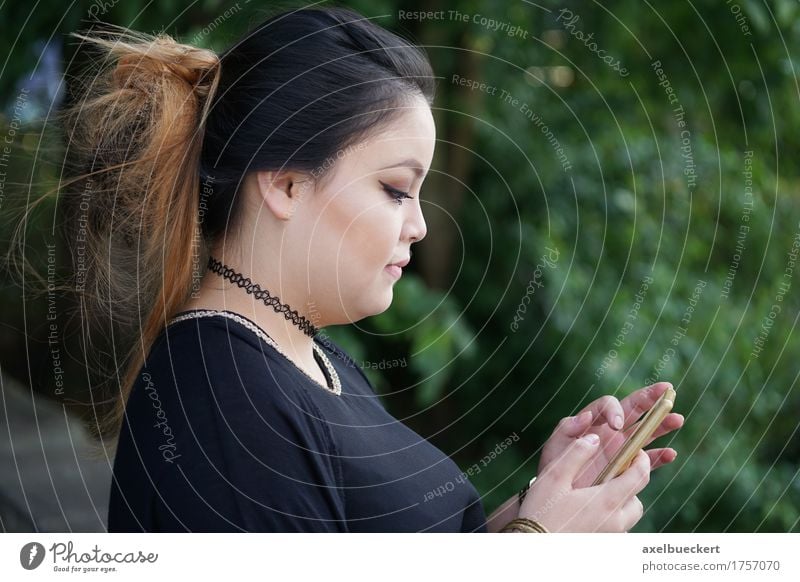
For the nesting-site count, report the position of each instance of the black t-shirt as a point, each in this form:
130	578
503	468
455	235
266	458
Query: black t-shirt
224	433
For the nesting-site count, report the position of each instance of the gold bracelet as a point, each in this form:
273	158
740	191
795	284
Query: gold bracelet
524	525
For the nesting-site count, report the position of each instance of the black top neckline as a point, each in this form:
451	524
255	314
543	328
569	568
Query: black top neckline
317	357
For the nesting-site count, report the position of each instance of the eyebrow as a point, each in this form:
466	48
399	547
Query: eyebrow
415	165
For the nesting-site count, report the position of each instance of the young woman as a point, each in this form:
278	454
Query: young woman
232	206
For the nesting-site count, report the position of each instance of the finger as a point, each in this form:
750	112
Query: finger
572	426
609	408
565	469
640	401
634	478
660	457
673	421
631	513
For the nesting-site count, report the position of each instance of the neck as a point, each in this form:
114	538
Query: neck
220	292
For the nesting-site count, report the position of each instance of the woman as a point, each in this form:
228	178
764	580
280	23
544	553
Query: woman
290	166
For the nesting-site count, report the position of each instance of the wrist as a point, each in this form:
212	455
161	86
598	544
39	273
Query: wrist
524	525
524	491
508	511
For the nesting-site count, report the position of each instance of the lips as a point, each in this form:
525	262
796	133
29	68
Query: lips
394	271
400	264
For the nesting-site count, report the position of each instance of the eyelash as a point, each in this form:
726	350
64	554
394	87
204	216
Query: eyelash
398	195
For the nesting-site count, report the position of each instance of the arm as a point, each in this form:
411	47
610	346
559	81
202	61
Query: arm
507	511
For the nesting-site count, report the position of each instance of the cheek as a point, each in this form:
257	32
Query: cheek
369	243
352	245
358	240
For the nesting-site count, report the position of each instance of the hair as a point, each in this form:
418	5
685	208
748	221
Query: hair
160	135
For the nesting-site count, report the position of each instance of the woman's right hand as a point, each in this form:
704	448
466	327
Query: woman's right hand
608	507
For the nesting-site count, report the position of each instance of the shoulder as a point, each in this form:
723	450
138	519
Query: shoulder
214	345
218	419
211	330
214	370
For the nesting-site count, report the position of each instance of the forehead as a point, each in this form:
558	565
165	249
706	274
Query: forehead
413	121
410	135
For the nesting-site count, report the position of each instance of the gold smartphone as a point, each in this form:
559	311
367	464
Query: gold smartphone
642	431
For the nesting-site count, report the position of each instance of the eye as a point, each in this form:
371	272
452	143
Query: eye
398	195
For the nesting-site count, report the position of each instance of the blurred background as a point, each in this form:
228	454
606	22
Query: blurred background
614	200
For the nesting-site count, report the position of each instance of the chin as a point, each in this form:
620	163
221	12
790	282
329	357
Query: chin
380	302
373	302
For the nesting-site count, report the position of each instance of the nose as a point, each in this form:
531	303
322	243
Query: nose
415	226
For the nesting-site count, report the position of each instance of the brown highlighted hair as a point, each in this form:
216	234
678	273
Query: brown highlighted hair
160	135
134	139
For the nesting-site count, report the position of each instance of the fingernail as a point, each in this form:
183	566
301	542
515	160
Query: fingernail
591	438
617	422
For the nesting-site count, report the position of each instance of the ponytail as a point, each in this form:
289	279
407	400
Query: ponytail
134	139
141	134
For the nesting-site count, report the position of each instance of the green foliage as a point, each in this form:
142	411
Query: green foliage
623	213
432	327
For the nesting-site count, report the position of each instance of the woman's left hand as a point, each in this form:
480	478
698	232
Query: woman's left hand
600	417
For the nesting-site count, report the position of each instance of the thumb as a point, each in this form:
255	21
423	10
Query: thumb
576	456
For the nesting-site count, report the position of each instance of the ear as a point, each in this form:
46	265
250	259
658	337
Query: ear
280	191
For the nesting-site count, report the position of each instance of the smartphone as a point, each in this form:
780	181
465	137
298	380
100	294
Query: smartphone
642	431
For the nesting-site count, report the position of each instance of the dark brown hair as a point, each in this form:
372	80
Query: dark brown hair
159	130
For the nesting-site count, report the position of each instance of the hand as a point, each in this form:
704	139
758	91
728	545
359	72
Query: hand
555	502
598	418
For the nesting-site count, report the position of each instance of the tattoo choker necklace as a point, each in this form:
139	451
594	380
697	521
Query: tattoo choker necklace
262	295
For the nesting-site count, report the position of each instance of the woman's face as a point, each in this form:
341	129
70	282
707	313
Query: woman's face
354	226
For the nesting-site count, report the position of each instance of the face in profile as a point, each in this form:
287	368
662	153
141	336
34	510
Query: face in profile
365	216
